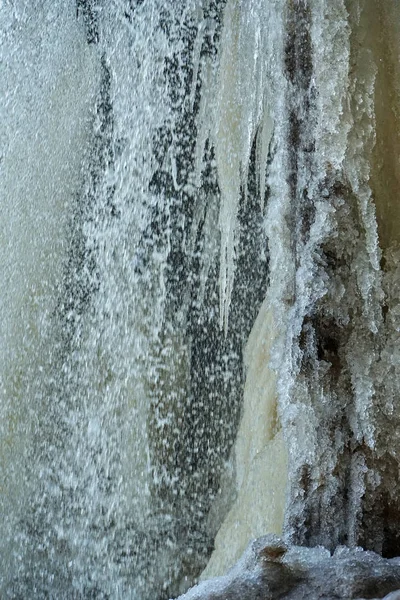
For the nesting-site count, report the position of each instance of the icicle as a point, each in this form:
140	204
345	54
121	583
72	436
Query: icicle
241	106
228	148
264	138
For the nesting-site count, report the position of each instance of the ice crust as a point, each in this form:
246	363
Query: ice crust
270	569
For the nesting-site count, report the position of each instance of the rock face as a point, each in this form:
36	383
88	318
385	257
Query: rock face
270	569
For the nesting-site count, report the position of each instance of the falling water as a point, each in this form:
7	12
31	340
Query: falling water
200	281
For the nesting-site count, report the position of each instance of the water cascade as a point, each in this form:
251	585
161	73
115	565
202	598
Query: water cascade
199	257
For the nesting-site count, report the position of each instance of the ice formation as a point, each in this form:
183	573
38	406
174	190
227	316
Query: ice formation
199	313
328	291
270	569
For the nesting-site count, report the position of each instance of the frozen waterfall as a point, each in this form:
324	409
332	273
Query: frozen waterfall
200	288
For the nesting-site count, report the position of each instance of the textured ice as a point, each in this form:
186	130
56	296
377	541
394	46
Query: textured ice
333	266
270	569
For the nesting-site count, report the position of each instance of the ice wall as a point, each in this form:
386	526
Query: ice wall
337	325
332	97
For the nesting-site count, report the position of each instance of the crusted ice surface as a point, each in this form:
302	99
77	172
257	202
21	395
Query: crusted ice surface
331	306
271	569
335	322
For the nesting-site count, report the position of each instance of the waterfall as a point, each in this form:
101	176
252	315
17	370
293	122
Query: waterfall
200	281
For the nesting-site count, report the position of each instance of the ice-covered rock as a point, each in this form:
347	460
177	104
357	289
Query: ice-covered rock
270	569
